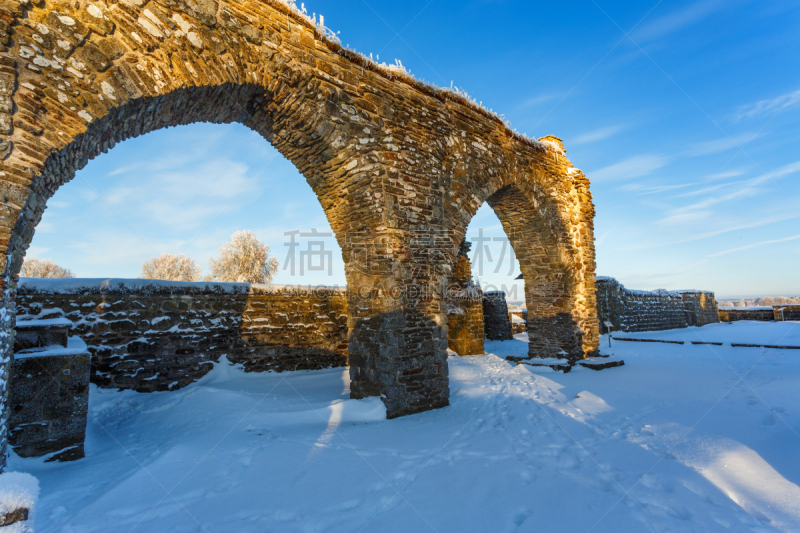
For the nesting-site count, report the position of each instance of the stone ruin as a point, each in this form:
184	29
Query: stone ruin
497	322
465	313
632	310
48	396
399	167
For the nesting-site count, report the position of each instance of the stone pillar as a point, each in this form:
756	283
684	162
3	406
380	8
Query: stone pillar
465	308
398	331
48	390
495	316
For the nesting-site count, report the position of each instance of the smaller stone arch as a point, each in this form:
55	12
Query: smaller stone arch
546	210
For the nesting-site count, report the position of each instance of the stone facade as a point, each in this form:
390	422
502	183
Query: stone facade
734	314
49	391
497	324
164	337
399	167
630	310
786	313
465	314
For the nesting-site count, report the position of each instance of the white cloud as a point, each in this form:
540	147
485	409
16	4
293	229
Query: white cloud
700	210
755	245
45	227
782	172
633	167
721	145
597	135
725	226
730	174
772	105
36	251
677	20
536	100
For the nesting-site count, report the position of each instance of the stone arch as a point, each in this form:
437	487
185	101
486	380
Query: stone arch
549	222
399	167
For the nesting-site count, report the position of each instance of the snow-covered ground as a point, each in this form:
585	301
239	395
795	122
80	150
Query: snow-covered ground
682	438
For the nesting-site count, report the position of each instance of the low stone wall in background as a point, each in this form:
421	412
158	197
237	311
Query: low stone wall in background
519	320
630	310
496	323
734	314
786	313
153	336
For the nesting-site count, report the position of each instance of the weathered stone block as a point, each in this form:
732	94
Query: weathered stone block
49	400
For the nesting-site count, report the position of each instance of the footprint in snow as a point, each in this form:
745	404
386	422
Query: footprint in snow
521	516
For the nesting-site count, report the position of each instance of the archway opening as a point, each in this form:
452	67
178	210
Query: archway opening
542	241
181	191
186	191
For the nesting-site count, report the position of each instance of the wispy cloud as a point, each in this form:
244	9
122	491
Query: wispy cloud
772	105
643	190
755	245
727	226
700	210
597	135
536	100
729	174
634	167
718	146
677	20
37	251
188	195
781	172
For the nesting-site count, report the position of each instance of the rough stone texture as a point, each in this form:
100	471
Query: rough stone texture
496	321
631	310
786	312
732	314
465	315
701	307
39	334
400	168
518	321
155	339
49	395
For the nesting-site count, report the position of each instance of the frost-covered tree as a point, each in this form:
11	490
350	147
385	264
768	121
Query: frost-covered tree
244	260
171	267
43	268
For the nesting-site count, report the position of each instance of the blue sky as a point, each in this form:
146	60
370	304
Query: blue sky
683	114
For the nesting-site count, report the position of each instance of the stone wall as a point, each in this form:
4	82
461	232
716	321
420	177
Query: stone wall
465	314
631	310
48	391
164	336
49	400
393	161
497	324
735	314
519	319
786	313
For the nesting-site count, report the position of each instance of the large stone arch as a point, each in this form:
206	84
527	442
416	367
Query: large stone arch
399	167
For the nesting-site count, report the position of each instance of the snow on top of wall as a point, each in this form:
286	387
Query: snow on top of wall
43	322
18	490
746	308
659	292
126	286
75	346
398	71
